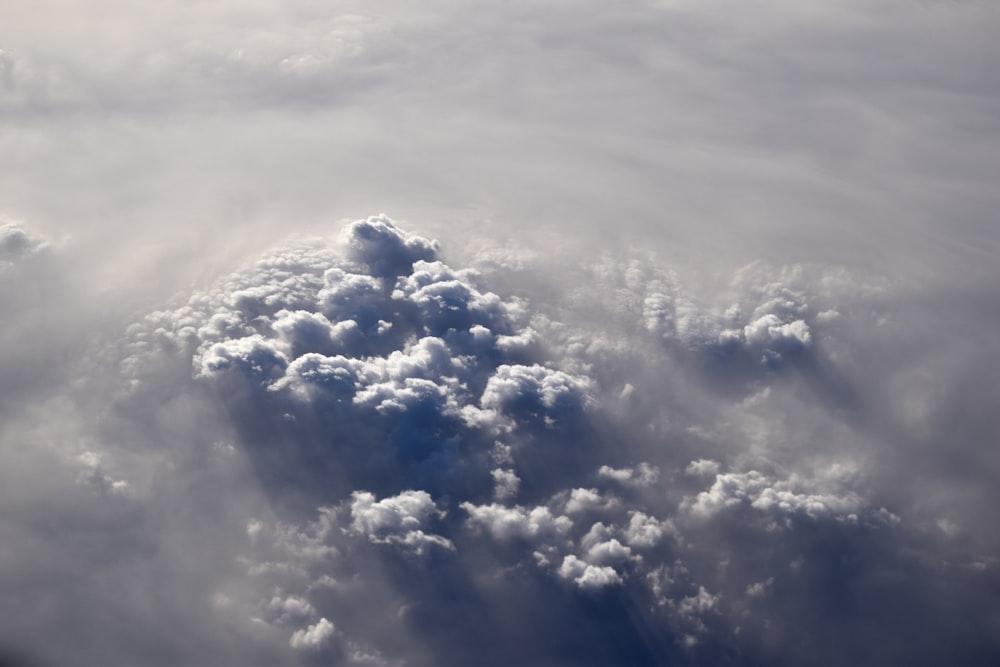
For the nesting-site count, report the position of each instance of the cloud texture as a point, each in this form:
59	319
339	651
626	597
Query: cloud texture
352	451
679	349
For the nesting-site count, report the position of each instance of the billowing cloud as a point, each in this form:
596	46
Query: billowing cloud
399	441
313	637
398	519
587	576
508	522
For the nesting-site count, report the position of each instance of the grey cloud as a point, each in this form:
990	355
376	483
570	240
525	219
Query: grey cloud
507	483
16	243
534	391
385	250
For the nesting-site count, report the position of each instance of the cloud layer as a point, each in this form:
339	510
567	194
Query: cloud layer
680	348
352	451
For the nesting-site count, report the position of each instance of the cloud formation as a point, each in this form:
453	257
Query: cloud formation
700	371
15	243
395	430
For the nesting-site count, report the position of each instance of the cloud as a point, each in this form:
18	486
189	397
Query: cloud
587	500
690	257
507	483
313	637
383	249
586	576
510	522
398	519
751	488
393	421
702	468
534	391
645	531
251	356
642	475
289	610
402	440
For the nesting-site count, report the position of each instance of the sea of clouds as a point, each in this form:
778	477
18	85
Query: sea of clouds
676	343
352	451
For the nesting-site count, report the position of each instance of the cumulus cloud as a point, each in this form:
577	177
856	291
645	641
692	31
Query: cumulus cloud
410	431
397	519
588	500
313	637
534	391
383	249
509	522
751	488
645	531
586	576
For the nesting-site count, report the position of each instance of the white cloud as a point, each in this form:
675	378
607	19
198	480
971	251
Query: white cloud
397	519
611	552
779	497
588	500
253	356
769	330
290	609
368	378
524	391
506	483
642	475
313	637
587	576
504	523
645	531
702	468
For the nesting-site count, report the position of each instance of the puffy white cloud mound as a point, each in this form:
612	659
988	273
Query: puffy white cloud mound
504	523
428	448
401	357
313	637
587	576
396	519
534	391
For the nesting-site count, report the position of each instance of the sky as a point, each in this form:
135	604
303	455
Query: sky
535	332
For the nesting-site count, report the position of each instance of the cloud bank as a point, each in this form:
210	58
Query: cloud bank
678	349
351	451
